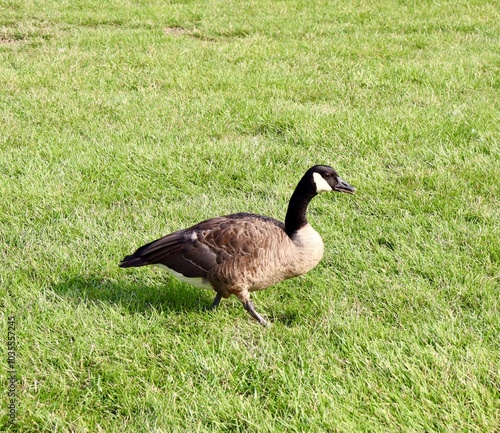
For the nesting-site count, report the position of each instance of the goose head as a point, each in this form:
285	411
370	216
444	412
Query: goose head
316	180
322	178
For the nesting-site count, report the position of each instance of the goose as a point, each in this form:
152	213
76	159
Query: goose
240	253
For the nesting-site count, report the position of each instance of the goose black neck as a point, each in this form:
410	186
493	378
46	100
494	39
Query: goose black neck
296	214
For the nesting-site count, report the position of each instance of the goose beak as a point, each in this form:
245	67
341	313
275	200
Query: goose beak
343	186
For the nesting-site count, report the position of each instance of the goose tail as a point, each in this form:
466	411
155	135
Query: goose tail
136	259
132	261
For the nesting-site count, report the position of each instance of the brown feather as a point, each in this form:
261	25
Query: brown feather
199	249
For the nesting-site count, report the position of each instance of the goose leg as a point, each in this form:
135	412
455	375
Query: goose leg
216	302
251	309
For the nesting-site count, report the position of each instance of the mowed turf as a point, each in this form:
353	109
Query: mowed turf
123	121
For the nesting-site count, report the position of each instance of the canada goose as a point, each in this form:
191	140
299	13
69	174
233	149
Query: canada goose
240	253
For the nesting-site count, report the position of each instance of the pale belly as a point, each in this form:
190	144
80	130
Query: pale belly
202	283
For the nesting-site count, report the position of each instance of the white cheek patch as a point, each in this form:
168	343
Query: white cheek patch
197	282
321	184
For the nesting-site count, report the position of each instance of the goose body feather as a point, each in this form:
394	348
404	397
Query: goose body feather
234	252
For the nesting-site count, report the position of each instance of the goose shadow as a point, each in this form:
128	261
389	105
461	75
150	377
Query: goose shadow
137	295
134	294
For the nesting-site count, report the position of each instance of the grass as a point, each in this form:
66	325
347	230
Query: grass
122	121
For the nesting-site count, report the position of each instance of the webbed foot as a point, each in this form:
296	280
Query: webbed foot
251	309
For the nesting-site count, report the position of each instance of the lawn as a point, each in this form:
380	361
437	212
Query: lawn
123	121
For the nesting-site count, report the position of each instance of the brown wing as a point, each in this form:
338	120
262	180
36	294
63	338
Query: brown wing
195	251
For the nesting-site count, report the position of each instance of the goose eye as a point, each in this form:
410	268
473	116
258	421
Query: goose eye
326	175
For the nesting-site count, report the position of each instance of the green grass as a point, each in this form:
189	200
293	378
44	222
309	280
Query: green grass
122	121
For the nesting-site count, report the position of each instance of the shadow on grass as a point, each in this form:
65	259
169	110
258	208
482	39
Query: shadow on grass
136	296
288	318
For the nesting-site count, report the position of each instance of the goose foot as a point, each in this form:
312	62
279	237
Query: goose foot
216	302
251	309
